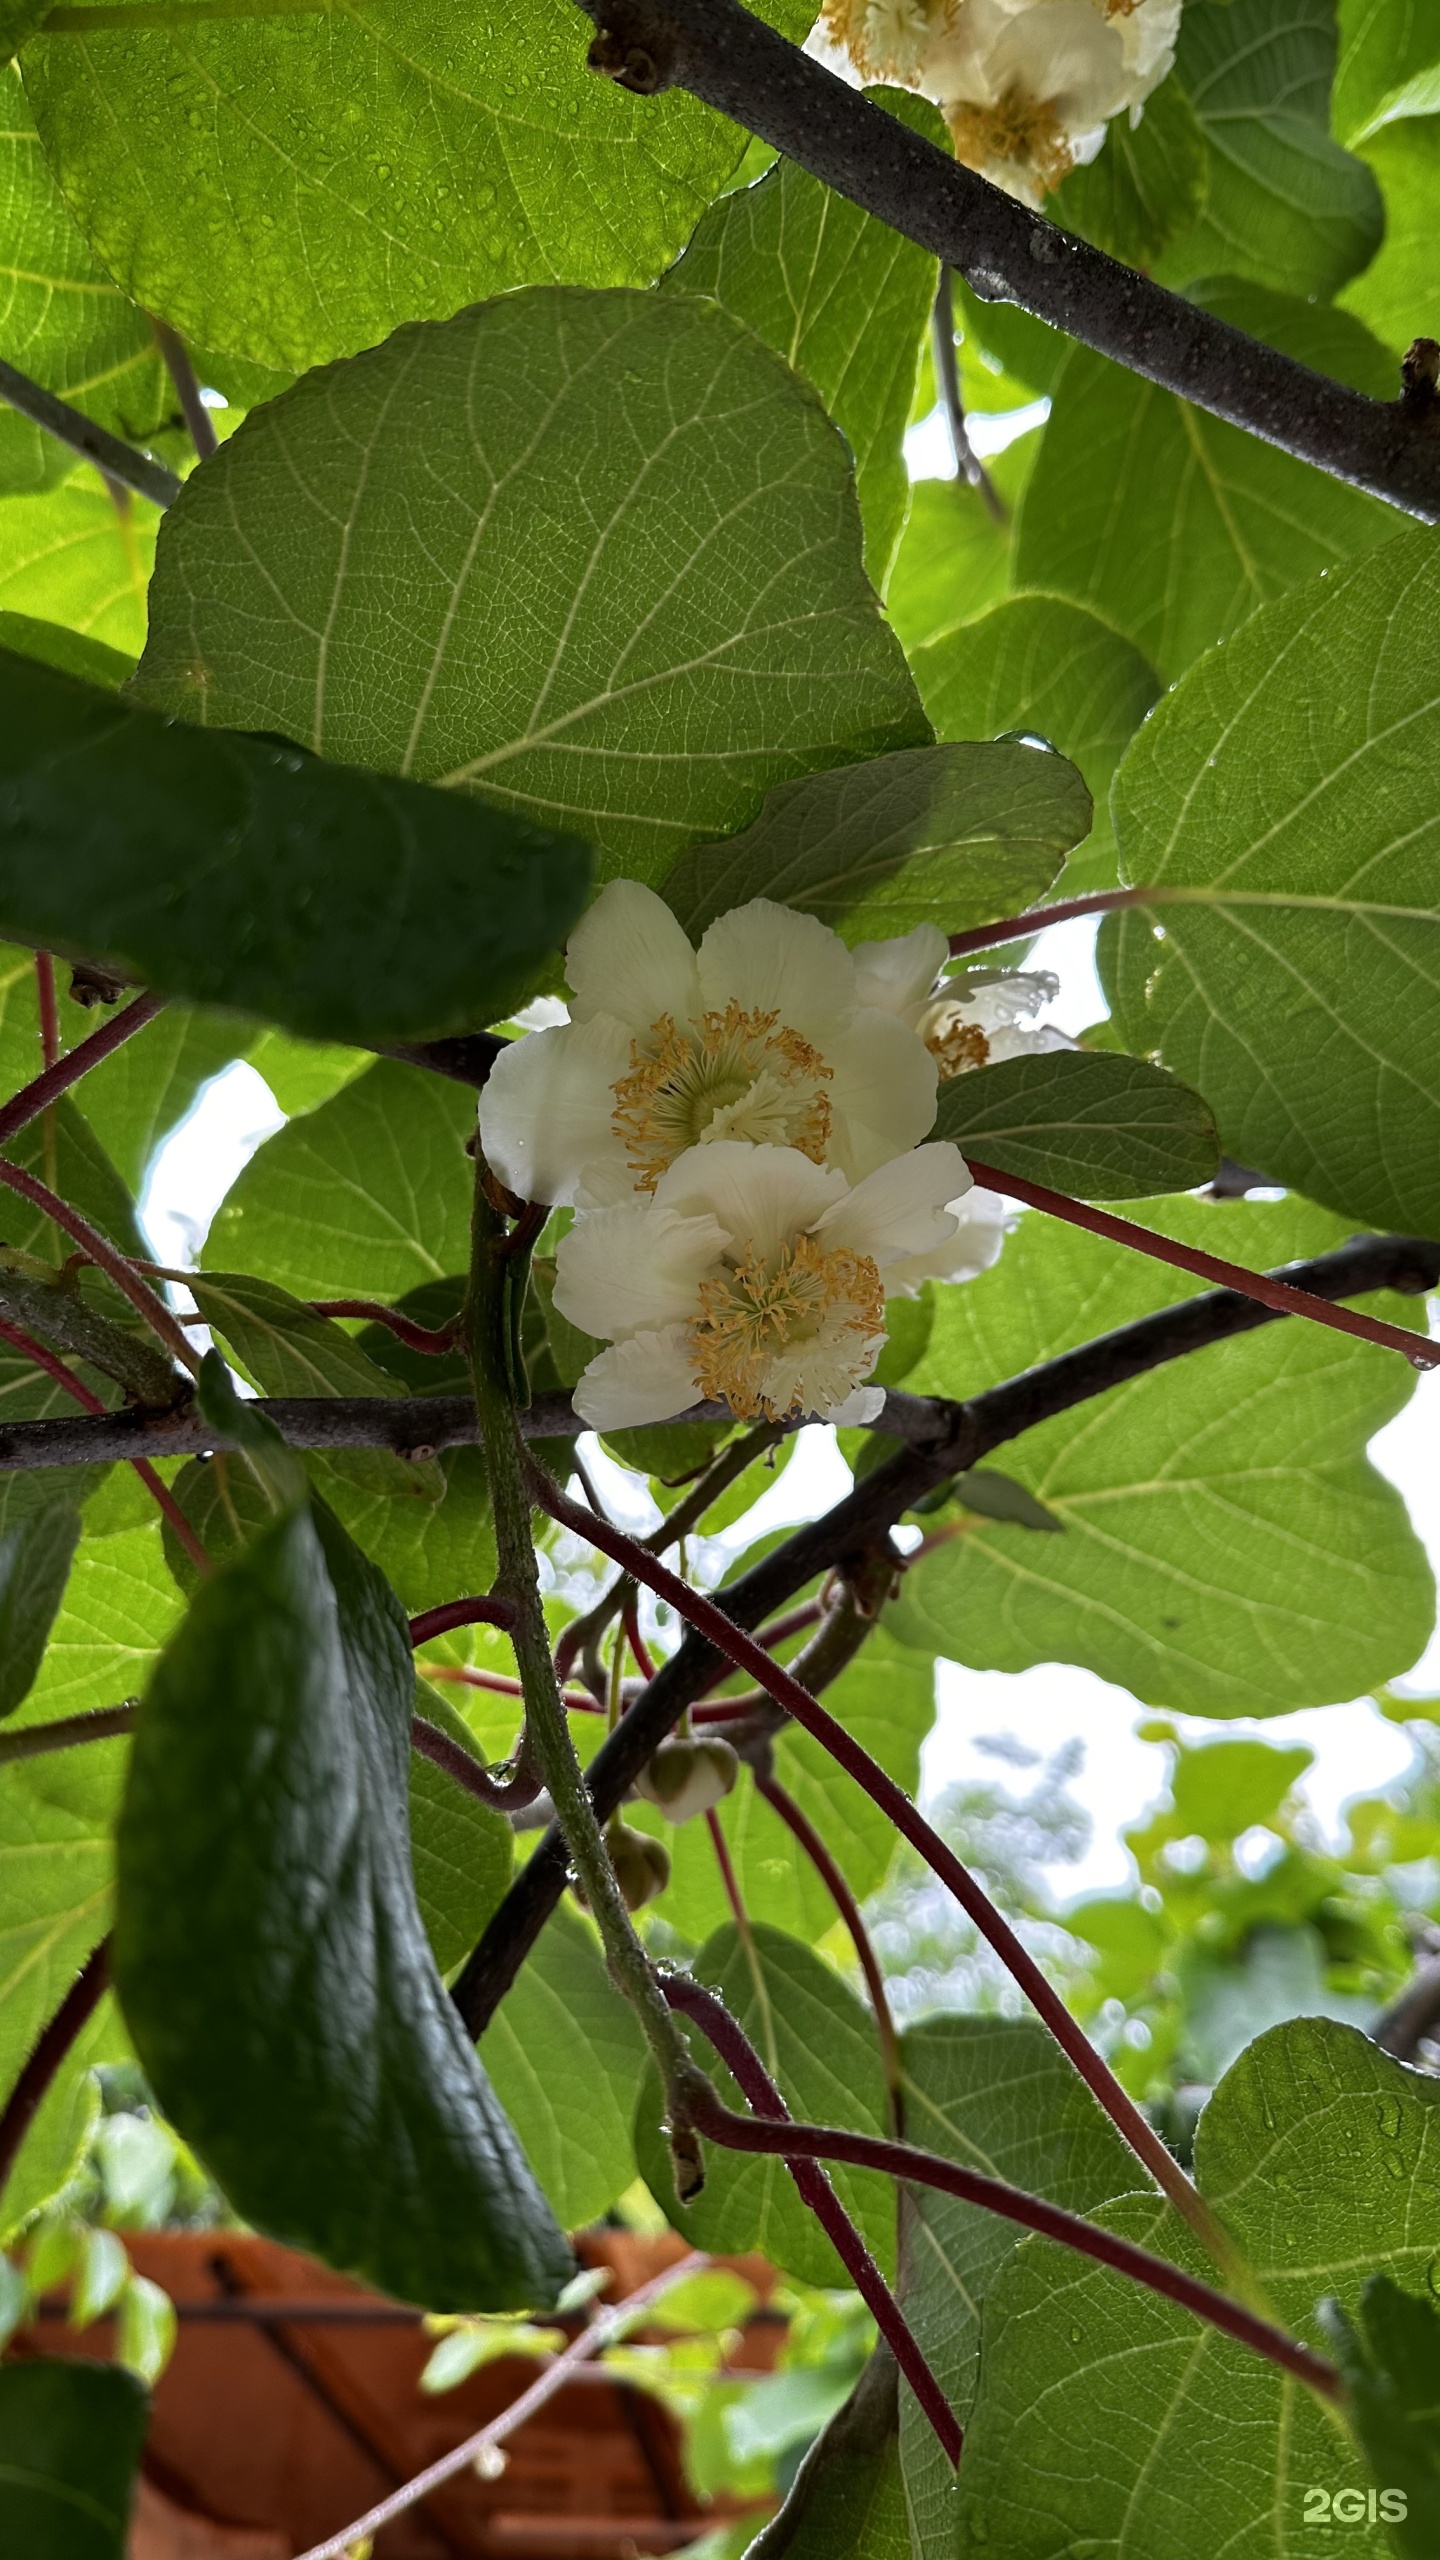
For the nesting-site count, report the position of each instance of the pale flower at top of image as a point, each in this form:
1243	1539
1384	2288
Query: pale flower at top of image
752	1276
1027	87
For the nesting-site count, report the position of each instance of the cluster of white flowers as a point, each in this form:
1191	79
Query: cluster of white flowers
1027	87
739	1130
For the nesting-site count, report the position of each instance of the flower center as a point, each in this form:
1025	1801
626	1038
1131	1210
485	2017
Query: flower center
956	1045
1018	127
728	1075
791	1336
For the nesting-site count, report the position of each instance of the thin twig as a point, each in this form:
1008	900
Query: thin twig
44	1358
728	1638
927	2169
714	1480
1100	902
71	427
757	2088
106	1258
1280	1295
968	464
491	1611
80	2002
1007	252
187	387
602	2332
97	1724
510	1794
33	1098
467	1676
430	1339
799	1823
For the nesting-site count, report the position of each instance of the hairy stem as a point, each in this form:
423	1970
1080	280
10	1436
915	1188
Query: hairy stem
760	2093
80	2002
61	1073
97	1724
743	1650
547	1730
797	1821
491	1611
106	1258
1100	902
928	2169
509	1794
1281	1295
417	1337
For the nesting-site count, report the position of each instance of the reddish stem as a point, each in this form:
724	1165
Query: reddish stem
797	1821
49	1010
61	1073
741	1648
985	937
418	1337
758	2089
728	1877
80	2001
55	1368
927	2169
1286	1301
630	1621
578	1701
793	1623
106	1258
488	1612
504	1795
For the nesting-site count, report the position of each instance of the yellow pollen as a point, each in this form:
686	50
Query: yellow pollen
825	1305
957	1048
731	1074
1019	128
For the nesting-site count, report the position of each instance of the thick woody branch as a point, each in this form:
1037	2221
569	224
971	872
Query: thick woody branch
720	53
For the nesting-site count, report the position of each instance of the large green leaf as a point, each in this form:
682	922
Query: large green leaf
1131	480
633	620
292	187
956	555
135	1097
368	1196
1398	296
62	320
56	1856
1383	44
886	1699
1391	2364
1043	664
71	2433
843	298
1109	2419
269	1953
566	2056
967	833
848	2500
51	2161
316	902
80	555
34	1568
819	2046
997	2095
1230	1550
1093	1123
1298	951
120	1605
1148	182
1285	204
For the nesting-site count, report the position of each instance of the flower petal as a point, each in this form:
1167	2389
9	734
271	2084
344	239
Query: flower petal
898	975
646	1379
547	1104
882	1092
761	1196
634	1268
629	956
904	1209
982	1222
772	960
862	1405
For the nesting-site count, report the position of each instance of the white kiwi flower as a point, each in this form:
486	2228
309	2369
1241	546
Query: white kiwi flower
753	1276
1026	86
761	1035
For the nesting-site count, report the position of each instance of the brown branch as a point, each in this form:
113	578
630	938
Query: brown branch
96	444
722	54
968	464
757	2088
927	2169
22	2105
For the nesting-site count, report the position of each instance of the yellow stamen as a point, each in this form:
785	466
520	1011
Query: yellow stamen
758	1317
957	1046
731	1074
1018	128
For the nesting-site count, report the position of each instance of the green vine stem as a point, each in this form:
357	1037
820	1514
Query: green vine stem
488	1341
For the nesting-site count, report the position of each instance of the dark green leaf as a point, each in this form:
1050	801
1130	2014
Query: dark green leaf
70	2439
269	1953
1231	1551
1298	951
462	1851
1040	664
848	2501
56	646
18	20
34	1569
1148	182
843	298
565	658
1089	1123
320	912
964	832
1390	2358
993	1496
1285	203
566	2056
424	160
